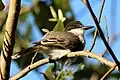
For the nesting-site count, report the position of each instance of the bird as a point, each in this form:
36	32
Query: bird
56	44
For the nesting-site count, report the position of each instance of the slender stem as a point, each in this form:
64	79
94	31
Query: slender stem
107	73
86	2
9	38
32	61
106	36
69	55
96	32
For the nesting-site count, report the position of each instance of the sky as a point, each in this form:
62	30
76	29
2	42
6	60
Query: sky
82	14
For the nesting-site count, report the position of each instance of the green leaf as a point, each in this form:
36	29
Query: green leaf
53	12
53	19
59	26
45	30
82	66
60	75
60	15
49	72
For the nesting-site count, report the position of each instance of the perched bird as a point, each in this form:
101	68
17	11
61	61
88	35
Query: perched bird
57	44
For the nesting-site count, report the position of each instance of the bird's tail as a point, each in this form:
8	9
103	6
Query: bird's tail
27	51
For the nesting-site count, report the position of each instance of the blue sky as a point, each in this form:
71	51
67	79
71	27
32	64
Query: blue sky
82	14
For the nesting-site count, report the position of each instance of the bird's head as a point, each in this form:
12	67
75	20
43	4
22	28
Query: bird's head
77	28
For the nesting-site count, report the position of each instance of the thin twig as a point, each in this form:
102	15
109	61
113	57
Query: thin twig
107	35
107	73
32	61
29	68
69	55
86	2
9	38
94	39
96	31
111	40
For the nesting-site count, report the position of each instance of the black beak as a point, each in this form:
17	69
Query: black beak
87	27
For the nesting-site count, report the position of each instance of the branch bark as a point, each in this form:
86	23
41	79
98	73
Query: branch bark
9	36
107	73
69	55
96	31
86	2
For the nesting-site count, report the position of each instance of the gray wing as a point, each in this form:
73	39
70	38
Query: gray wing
57	39
62	40
51	40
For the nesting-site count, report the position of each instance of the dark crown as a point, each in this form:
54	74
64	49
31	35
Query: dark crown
73	25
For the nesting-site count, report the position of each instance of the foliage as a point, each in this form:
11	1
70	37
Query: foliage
44	18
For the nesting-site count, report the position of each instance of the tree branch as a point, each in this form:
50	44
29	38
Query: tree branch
69	55
29	68
96	31
86	2
107	73
9	36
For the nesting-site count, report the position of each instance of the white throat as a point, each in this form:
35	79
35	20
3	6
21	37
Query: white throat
78	32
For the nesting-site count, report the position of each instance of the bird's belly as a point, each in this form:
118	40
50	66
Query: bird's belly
56	53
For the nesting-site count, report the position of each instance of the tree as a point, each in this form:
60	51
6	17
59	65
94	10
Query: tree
40	12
